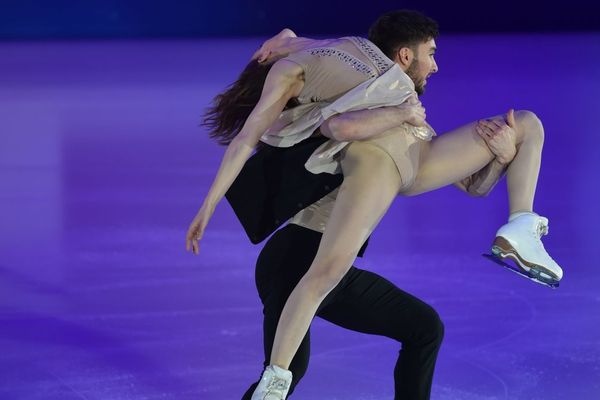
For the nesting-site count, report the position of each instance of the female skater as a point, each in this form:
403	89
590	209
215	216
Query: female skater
394	159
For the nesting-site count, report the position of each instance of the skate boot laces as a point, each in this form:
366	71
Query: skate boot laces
277	385
542	227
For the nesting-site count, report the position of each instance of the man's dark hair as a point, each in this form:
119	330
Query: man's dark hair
402	28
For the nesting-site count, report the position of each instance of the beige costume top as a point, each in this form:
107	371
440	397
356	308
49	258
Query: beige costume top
348	74
329	73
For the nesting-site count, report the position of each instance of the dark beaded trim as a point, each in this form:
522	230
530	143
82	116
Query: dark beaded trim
382	63
345	57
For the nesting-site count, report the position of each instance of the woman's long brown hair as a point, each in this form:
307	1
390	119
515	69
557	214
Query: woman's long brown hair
229	110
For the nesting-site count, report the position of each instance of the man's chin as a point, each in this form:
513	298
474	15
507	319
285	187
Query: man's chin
420	88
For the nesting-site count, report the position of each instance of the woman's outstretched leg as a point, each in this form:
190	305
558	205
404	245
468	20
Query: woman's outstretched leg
371	181
519	239
461	152
523	171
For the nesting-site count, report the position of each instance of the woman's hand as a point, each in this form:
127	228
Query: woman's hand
196	229
275	47
500	136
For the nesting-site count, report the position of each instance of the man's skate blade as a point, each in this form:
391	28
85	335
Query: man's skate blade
499	261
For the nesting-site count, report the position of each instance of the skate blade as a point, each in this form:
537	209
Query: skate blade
503	249
537	279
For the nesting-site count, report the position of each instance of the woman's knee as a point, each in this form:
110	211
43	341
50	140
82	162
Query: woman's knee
324	275
529	126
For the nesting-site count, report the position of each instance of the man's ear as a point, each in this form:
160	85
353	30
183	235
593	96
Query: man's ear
404	56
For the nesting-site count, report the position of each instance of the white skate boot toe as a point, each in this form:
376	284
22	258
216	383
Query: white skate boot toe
274	384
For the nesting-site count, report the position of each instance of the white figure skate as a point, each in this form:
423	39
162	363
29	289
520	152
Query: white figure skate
274	384
519	240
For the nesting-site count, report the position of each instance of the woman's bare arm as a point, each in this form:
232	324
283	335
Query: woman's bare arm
283	82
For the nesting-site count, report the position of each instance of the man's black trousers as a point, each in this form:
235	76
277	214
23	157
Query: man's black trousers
363	301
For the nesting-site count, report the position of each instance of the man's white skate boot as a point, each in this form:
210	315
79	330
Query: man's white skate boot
274	384
519	240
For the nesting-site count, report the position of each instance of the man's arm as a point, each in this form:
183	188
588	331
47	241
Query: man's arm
483	181
365	124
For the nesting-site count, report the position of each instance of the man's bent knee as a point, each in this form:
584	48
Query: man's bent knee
431	327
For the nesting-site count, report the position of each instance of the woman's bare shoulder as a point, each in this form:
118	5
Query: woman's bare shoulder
327	42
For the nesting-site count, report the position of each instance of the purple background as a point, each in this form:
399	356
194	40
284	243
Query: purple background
103	165
37	19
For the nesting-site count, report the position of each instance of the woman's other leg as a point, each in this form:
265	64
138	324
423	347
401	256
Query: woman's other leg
371	181
283	261
461	152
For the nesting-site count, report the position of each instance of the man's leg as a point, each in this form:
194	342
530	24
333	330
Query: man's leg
366	302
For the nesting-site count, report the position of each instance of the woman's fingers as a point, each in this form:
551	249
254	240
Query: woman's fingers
193	236
188	239
264	56
189	244
193	245
258	54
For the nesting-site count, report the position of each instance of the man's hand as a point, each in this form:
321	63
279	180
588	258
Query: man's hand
414	112
275	47
500	136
